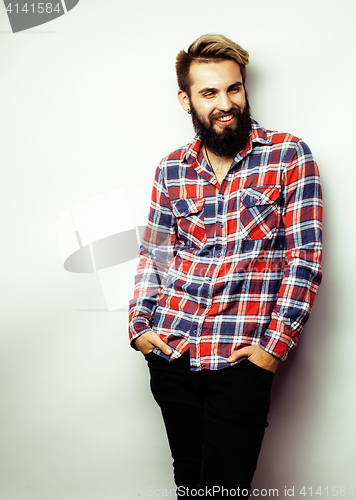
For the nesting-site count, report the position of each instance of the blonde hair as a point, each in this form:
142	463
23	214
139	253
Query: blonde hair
212	47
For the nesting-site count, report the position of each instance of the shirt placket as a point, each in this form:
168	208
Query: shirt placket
217	260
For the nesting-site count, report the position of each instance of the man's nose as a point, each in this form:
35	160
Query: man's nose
224	102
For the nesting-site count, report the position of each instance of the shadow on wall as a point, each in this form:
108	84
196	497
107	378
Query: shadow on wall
296	394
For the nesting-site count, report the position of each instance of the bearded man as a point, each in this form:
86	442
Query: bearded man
228	272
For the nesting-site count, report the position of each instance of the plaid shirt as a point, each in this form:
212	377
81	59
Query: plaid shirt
228	266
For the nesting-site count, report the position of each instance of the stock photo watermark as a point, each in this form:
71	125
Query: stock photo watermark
25	15
221	491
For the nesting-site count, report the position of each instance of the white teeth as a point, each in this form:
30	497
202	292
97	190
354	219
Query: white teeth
225	118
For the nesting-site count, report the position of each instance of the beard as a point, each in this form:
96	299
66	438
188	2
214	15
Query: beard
230	141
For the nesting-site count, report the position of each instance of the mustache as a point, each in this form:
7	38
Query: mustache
236	112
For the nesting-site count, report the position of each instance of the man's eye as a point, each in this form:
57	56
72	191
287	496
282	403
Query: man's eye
235	90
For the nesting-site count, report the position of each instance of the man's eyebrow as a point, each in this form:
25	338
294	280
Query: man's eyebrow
207	89
214	90
237	84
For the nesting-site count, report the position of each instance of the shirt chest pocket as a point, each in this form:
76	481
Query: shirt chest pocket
258	212
189	213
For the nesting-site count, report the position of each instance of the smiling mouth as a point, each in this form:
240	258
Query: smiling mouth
225	118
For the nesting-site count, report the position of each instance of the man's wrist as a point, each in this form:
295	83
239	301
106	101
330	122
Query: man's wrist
136	335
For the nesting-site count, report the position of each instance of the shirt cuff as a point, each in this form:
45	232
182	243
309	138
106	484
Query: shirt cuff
277	340
136	328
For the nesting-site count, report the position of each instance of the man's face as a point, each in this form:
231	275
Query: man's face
217	93
219	106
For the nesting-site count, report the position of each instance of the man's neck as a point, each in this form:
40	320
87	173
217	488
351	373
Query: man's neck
219	164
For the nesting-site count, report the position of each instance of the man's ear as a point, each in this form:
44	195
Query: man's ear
184	100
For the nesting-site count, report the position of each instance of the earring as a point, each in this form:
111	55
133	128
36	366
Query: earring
188	111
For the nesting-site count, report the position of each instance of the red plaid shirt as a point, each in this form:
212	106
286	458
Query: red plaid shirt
227	266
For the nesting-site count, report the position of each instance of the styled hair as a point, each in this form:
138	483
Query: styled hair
211	47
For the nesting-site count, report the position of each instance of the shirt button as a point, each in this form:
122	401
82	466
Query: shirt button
221	225
195	331
218	254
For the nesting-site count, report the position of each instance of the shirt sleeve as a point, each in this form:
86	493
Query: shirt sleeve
302	218
156	252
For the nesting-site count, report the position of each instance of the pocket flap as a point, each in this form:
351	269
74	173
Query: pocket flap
259	195
183	207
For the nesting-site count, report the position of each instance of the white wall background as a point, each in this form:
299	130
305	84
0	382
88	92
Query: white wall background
88	105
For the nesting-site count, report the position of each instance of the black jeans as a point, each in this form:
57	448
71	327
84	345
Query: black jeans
215	422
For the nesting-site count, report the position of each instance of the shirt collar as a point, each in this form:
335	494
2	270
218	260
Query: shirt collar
257	135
